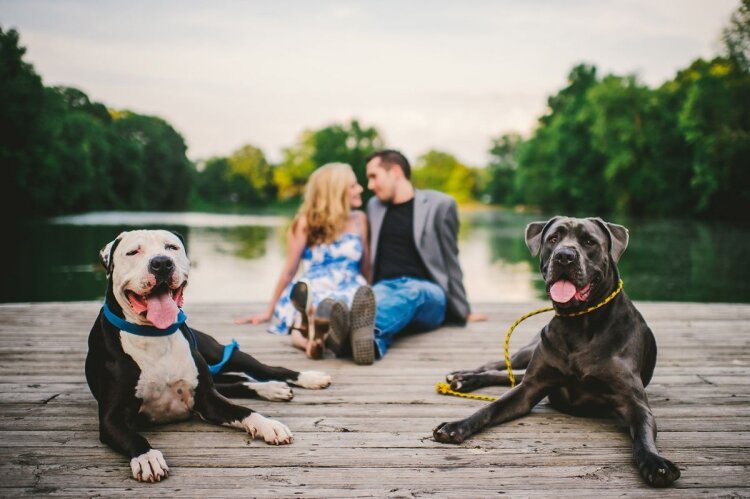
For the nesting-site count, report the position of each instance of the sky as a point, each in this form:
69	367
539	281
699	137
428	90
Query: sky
427	74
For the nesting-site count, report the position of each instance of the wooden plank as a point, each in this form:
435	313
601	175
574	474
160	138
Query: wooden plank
369	434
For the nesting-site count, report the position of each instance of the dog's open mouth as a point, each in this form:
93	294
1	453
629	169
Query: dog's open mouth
564	291
160	306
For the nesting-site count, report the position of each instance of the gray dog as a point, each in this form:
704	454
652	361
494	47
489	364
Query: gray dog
587	364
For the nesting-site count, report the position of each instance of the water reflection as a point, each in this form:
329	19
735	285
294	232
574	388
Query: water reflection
239	257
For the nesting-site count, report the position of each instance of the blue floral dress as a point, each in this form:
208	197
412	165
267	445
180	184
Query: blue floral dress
333	272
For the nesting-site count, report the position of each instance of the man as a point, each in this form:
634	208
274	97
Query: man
418	282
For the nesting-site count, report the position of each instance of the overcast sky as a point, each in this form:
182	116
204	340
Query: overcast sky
435	74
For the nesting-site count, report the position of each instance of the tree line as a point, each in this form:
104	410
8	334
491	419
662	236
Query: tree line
62	153
606	145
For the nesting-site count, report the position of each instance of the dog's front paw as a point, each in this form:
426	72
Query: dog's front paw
272	432
657	471
313	380
149	467
466	382
456	374
449	433
272	390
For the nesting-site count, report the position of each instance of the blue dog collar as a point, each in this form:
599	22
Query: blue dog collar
139	330
153	332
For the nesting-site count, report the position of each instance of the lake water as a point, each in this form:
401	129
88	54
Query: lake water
237	258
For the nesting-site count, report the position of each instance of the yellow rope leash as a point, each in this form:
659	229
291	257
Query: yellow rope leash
445	389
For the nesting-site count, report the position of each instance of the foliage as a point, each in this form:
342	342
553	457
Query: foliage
346	143
296	166
160	162
498	178
604	145
443	172
61	153
559	167
250	176
349	144
22	99
243	179
715	122
736	36
615	146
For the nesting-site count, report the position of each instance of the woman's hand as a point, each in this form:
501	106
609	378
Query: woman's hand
255	318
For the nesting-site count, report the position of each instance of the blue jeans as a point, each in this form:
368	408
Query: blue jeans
406	302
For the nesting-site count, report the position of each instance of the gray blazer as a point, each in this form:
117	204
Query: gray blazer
436	237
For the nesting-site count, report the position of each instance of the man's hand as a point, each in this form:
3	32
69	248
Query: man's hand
475	317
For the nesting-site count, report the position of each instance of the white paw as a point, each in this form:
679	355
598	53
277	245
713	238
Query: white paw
314	380
271	390
449	378
269	430
149	467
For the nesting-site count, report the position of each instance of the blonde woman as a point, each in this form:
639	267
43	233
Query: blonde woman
328	237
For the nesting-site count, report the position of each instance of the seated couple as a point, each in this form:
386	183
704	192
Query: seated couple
412	259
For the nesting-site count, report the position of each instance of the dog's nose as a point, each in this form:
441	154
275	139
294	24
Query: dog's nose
161	265
566	255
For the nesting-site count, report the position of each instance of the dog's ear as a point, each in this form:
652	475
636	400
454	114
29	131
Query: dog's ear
105	254
182	239
534	234
618	237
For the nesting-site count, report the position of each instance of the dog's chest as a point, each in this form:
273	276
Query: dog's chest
168	377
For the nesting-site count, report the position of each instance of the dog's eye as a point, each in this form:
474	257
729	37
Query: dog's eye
590	242
552	238
132	252
172	247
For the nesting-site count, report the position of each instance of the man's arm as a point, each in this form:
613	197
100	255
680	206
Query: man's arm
448	226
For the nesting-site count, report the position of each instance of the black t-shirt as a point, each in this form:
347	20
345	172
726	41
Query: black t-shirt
397	252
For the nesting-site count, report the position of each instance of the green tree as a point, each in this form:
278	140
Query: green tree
620	110
61	152
498	177
22	100
157	163
76	100
443	172
715	122
346	143
211	183
736	36
559	169
250	176
290	176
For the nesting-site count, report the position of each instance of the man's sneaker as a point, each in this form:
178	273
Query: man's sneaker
362	320
338	333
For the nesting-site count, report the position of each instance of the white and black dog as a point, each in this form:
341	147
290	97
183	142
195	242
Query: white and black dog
146	366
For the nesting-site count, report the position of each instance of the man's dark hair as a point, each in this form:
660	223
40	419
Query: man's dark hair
390	157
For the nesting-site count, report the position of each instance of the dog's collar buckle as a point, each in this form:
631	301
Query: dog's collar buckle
140	330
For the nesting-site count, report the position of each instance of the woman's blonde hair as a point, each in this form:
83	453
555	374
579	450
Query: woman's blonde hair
325	207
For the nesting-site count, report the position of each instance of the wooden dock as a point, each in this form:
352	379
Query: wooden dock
369	434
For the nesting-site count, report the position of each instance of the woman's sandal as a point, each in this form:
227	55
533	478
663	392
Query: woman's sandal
321	324
314	330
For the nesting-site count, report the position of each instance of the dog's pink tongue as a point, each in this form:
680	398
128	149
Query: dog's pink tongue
562	291
162	310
